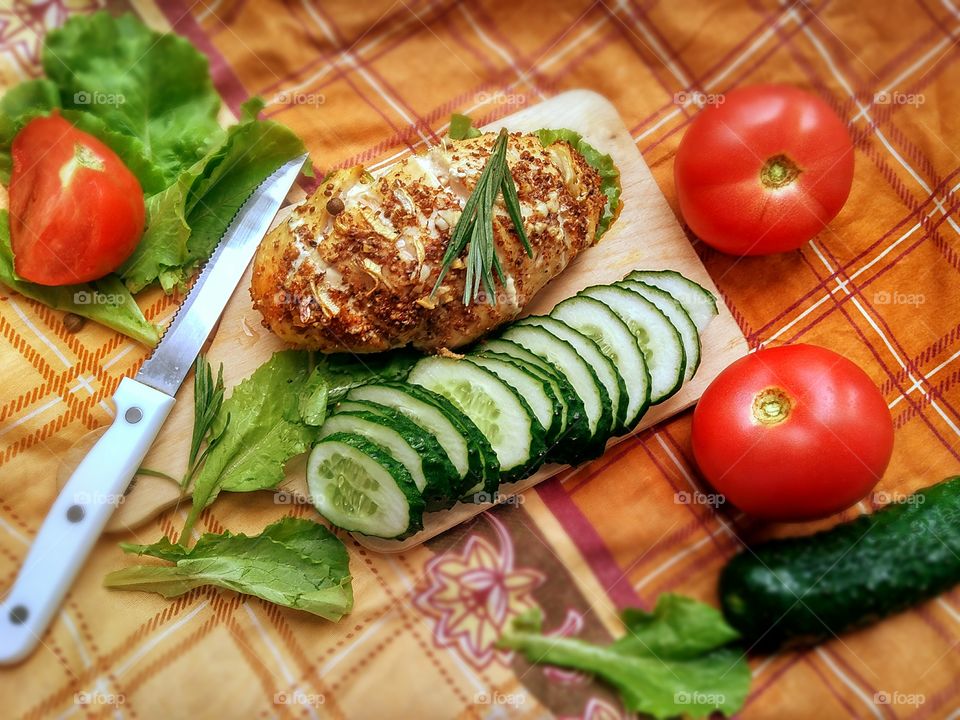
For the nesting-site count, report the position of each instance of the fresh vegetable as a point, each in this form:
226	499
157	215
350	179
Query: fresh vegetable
465	445
805	589
294	562
699	303
677	660
106	301
764	171
148	97
536	391
678	317
76	211
658	337
599	323
792	433
577	371
265	430
591	352
152	87
186	221
577	434
419	452
504	418
274	415
474	228
358	486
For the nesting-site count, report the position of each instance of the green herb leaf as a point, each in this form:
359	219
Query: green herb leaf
106	301
294	562
674	661
461	128
474	229
207	401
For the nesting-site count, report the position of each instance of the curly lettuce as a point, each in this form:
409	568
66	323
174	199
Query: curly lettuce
294	562
677	660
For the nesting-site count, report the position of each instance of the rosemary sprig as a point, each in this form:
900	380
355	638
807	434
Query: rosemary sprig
207	400
475	227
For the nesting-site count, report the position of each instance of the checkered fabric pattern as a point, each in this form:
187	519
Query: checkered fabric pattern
362	81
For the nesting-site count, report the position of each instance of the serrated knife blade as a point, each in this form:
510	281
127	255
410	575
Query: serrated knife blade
173	357
81	510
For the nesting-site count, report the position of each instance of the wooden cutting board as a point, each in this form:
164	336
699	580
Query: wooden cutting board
646	236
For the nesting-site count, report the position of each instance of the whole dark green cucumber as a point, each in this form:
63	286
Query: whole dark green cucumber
803	590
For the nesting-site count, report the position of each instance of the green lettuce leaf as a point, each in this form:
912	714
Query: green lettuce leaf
296	563
18	106
261	429
152	86
106	301
162	253
254	149
461	127
676	660
276	413
186	221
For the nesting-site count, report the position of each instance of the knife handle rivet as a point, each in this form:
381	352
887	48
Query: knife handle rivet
75	513
19	614
133	415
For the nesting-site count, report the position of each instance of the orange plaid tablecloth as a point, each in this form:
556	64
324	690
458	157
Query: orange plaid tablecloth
361	81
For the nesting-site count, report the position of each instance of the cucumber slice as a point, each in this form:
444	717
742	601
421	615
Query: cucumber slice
561	354
577	433
551	379
675	313
357	486
658	338
466	446
602	365
502	415
700	303
537	393
598	322
434	475
442	479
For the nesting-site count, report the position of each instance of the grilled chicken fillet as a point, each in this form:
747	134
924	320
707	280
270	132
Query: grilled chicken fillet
354	266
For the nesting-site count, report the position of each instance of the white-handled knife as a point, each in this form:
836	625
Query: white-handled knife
84	505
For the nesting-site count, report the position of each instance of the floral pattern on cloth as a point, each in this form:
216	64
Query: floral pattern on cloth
474	592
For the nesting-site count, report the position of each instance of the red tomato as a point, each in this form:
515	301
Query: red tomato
764	171
792	433
76	211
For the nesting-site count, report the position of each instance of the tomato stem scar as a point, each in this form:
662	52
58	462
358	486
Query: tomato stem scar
778	172
771	406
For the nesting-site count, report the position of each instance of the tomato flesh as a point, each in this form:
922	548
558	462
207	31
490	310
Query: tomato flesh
792	433
76	211
764	171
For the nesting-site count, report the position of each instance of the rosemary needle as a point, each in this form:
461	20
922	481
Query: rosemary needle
474	230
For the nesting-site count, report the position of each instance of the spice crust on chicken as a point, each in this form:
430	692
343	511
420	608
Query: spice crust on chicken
353	268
